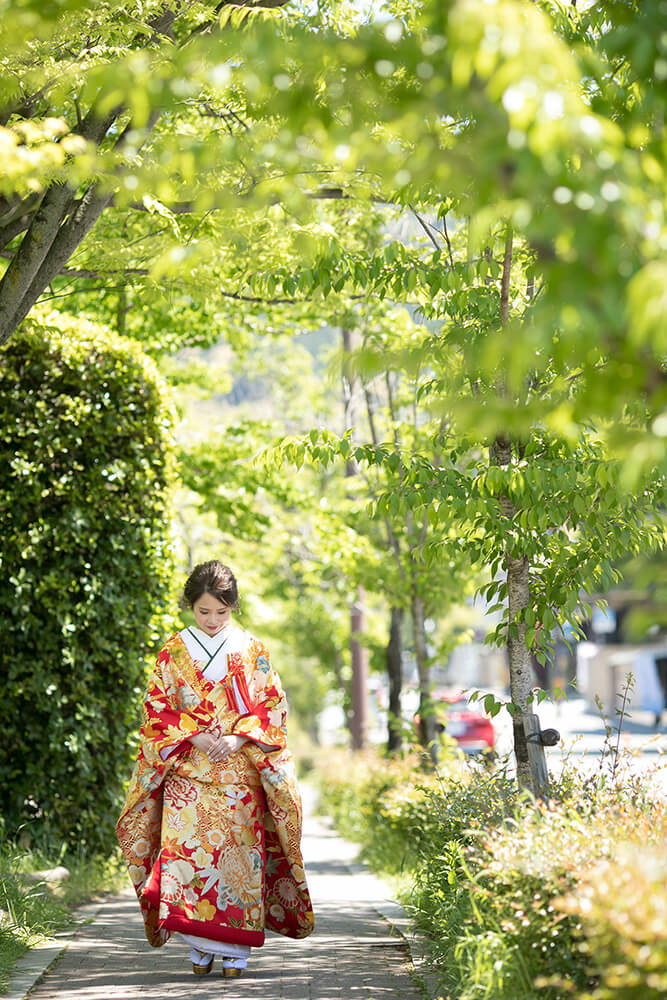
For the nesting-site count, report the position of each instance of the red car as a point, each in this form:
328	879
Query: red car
465	722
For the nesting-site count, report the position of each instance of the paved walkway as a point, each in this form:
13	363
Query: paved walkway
352	955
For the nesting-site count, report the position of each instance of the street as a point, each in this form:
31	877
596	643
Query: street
642	747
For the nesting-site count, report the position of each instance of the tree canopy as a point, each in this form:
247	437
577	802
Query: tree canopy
475	191
245	153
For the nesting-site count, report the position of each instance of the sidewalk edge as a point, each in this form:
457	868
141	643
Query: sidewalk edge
399	921
33	966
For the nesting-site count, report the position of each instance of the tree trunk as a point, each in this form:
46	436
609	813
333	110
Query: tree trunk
394	650
29	257
359	686
517	568
518	597
520	666
394	658
59	225
70	235
426	718
359	689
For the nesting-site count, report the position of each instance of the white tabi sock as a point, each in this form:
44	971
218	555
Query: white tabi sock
234	963
200	957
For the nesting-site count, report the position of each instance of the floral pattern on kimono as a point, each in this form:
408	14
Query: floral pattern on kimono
214	849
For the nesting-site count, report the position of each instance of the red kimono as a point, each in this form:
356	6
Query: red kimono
214	850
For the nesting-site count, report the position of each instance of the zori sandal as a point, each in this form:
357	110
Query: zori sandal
232	968
198	966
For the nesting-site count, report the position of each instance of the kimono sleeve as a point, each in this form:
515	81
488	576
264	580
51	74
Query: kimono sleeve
266	720
167	726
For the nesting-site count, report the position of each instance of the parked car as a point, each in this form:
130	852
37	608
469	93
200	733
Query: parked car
464	721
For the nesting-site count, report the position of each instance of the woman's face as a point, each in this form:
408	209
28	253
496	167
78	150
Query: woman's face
210	613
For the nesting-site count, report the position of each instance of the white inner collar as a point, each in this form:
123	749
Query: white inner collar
213	651
210	642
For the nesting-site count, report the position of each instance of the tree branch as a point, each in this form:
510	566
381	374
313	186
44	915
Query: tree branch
75	272
321	194
505	283
16	207
426	228
447	241
29	273
13	229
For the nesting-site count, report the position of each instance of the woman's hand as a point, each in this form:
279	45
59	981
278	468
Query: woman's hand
224	746
203	741
217	748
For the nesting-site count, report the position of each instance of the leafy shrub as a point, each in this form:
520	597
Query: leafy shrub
84	573
534	881
520	901
621	904
382	802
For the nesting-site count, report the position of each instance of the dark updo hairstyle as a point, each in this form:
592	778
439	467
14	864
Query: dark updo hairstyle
213	578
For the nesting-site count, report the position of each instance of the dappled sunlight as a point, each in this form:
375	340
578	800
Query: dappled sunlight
352	953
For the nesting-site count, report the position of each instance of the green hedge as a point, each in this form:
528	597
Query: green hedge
520	902
84	574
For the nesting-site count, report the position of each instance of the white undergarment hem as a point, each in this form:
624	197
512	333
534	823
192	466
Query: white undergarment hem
210	947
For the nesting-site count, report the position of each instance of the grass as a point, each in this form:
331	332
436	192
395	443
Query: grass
32	910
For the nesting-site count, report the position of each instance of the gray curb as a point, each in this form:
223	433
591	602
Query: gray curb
31	968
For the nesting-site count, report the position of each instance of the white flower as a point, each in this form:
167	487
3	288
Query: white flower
235	794
202	858
137	874
182	870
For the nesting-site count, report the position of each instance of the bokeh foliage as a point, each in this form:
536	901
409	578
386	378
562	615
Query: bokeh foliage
84	518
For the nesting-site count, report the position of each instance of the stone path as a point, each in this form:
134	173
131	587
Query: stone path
354	953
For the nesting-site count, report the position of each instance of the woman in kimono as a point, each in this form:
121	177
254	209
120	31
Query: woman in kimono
211	825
